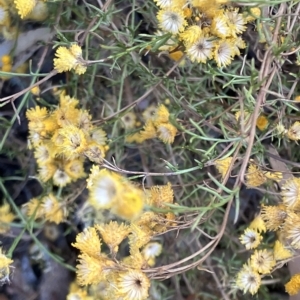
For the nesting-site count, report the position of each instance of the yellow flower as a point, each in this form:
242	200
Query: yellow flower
177	55
99	136
52	209
290	193
161	115
105	187
91	270
253	14
273	216
297	98
223	52
150	251
130	202
254	176
149	113
35	91
219	26
88	242
42	154
159	195
6	59
262	261
129	120
75	169
95	152
280	252
135	260
235	21
248	280
191	34
139	236
166	132
24	7
258	224
74	141
65	101
39	13
133	285
222	165
293	286
149	131
79	295
84	121
292	229
294	132
66	116
201	50
251	238
37	113
262	122
68	59
171	19
6	217
4	267
60	177
113	234
277	176
34	209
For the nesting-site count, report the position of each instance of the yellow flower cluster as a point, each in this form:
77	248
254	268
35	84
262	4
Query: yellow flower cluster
6	65
49	208
68	59
283	218
123	278
62	138
5	262
157	126
203	29
32	9
108	190
254	177
6	217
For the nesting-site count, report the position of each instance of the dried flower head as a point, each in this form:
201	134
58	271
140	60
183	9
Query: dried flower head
273	216
150	251
255	176
166	132
201	50
251	238
105	187
262	261
133	285
171	19
52	209
248	280
5	263
290	193
292	229
293	132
